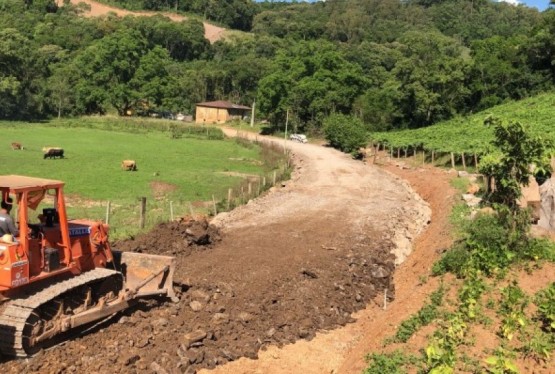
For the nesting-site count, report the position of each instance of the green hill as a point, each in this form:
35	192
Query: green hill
469	134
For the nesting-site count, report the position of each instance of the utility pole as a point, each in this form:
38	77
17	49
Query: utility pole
252	113
285	135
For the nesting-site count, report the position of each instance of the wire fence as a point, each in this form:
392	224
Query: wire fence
127	220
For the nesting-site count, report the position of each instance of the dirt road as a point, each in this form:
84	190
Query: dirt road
211	32
297	261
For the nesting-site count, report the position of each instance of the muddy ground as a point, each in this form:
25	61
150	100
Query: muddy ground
299	260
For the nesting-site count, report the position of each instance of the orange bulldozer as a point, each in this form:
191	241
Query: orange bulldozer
60	274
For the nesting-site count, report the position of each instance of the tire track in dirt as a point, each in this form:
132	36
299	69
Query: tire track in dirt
342	350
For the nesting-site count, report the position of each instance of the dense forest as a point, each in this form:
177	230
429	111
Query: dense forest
389	63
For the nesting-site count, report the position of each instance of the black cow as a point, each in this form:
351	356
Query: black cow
53	152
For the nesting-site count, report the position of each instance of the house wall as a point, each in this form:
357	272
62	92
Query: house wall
211	115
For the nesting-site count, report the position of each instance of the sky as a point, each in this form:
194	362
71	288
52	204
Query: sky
540	4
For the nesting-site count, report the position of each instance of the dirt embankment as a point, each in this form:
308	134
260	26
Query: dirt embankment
211	32
299	260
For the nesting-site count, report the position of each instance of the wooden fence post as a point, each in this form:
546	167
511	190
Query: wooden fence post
250	189
475	161
191	210
171	211
274	180
452	160
143	213
463	161
433	156
423	157
229	191
214	203
108	212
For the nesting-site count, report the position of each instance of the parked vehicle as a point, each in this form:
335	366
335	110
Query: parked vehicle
298	138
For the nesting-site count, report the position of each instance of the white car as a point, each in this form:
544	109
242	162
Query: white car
298	138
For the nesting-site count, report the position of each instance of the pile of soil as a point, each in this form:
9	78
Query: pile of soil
174	238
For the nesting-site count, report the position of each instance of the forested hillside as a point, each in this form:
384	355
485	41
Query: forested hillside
392	64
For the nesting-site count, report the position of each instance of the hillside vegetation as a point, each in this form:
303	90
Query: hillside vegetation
469	134
493	311
391	64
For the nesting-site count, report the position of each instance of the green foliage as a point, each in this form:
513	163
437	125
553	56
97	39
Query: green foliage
312	80
510	167
545	300
392	64
511	308
537	344
452	261
501	362
423	317
469	135
441	352
345	133
470	293
388	363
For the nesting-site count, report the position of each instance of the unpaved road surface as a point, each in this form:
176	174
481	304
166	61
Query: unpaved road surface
211	32
299	260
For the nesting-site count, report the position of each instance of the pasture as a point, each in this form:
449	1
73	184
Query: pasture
186	171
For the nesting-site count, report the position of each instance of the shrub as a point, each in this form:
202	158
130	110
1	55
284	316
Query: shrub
345	133
452	261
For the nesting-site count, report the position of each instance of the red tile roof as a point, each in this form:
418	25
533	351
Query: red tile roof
223	105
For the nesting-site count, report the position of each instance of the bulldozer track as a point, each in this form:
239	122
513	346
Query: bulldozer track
14	318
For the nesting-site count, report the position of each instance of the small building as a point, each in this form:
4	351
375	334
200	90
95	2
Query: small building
220	112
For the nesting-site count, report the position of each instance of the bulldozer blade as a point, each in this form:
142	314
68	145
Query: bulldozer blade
145	274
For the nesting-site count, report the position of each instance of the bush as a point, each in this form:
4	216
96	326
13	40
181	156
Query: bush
345	133
452	261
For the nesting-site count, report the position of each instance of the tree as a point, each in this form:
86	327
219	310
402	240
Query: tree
345	133
432	78
313	80
107	68
60	87
16	67
500	71
514	159
151	78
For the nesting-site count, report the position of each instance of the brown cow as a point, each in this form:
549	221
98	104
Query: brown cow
129	165
17	146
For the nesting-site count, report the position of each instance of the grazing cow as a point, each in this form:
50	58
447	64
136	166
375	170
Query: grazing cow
16	146
129	165
52	152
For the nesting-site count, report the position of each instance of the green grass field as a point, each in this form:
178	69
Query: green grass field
186	171
469	134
